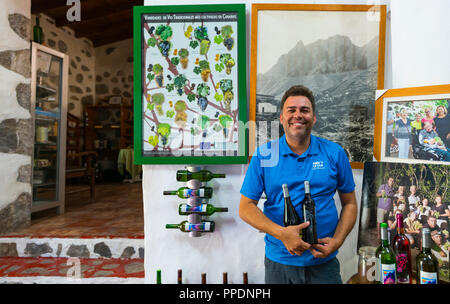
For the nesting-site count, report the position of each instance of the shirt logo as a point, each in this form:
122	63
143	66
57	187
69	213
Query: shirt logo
318	165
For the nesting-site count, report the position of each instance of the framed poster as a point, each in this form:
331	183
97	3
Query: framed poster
190	97
412	125
420	192
337	51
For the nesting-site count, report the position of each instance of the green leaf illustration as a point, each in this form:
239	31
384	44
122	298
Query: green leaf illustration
219	67
170	113
153	140
218	97
218	39
152	41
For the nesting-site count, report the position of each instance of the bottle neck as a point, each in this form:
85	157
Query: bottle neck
221	209
169	192
172	226
384	237
37	21
218	175
400	229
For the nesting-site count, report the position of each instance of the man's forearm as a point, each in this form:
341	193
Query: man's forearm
252	215
348	216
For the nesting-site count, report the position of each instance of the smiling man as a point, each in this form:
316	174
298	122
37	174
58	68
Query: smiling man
302	157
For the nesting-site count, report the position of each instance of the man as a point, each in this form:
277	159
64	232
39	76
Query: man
413	198
385	195
430	141
301	157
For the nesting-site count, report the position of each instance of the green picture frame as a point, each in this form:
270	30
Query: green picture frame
190	84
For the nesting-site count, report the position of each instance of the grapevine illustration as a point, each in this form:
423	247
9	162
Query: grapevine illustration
189	88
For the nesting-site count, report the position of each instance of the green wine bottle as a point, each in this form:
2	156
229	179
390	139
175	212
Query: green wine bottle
385	259
203	209
185	192
427	264
158	276
203	175
37	32
185	226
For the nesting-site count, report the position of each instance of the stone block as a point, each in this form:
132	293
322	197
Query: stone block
8	250
128	253
102	249
35	250
21	25
79	251
16	214
17	61
23	93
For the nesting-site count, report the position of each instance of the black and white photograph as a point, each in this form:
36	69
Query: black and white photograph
338	61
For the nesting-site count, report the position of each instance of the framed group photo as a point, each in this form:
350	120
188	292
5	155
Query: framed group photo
337	51
413	125
190	84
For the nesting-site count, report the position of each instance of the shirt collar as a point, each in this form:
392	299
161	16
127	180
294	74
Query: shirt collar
313	148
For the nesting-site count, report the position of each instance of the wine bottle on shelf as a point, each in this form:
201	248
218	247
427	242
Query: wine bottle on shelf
180	277
158	276
203	209
402	251
291	217
385	259
185	226
225	278
203	278
427	264
185	192
37	32
203	175
309	215
245	278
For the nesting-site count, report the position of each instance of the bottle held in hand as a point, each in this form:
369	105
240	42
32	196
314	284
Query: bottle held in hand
309	215
291	217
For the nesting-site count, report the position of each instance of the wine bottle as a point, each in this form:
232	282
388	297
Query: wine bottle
225	278
309	215
185	226
203	209
402	251
427	264
203	175
180	276
37	32
291	217
185	192
158	276
385	259
245	278
203	278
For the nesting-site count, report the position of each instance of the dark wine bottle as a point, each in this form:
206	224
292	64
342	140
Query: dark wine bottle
180	276
185	226
37	32
427	264
402	251
203	209
309	215
245	278
203	175
185	192
158	276
203	278
225	278
291	217
385	259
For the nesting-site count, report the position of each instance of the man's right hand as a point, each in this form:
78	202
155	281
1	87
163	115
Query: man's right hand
292	240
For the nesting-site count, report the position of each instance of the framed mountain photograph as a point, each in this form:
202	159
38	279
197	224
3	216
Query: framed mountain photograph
337	51
190	93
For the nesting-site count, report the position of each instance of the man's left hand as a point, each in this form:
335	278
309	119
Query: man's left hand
325	247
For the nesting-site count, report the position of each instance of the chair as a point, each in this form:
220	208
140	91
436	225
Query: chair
79	164
418	150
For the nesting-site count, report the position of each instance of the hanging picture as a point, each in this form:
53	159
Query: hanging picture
337	51
412	125
420	192
190	84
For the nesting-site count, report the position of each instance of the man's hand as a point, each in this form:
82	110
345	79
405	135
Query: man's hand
325	247
292	240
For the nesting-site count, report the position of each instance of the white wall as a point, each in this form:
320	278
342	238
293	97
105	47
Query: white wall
237	247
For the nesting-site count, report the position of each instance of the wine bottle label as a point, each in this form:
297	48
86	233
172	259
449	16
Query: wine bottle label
205	226
193	209
193	192
402	268
388	274
428	277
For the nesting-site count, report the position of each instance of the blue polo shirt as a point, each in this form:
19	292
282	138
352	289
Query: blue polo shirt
324	164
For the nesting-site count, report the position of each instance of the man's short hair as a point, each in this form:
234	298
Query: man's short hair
299	90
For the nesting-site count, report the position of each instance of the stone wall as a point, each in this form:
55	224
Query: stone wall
16	127
81	62
114	70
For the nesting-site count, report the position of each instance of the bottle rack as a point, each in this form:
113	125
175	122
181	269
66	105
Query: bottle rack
194	201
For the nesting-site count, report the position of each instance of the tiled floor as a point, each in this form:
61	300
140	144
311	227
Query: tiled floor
117	212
